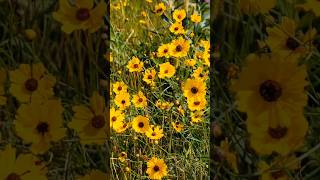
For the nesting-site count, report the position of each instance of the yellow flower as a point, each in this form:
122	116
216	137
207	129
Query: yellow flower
164	51
195	17
122	156
180	110
177	28
193	88
177	126
135	65
256	6
197	104
285	38
122	100
157	168
279	168
190	62
179	47
154	133
230	156
197	116
198	73
149	1
149	76
271	86
139	100
30	34
3	79
40	124
280	137
159	9
24	166
179	14
143	13
120	126
206	45
81	16
115	116
90	122
166	70
119	87
140	124
311	5
31	83
95	175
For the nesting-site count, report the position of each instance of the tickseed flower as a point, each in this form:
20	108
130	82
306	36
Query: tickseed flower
139	100
157	168
195	17
178	126
122	100
135	65
115	116
82	16
166	70
179	47
164	51
140	124
149	76
179	14
23	166
90	122
193	88
40	124
31	83
119	87
159	9
177	28
154	133
122	156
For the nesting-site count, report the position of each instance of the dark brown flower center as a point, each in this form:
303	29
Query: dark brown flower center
119	88
13	176
153	134
159	10
83	14
270	90
179	16
114	118
156	168
194	90
149	77
196	103
166	71
140	100
165	50
141	124
42	128
176	28
31	84
178	48
123	102
292	43
278	132
135	65
98	122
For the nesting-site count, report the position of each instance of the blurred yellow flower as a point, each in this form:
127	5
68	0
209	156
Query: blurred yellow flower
81	16
256	6
40	124
159	9
195	17
31	83
24	166
230	157
311	5
90	122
